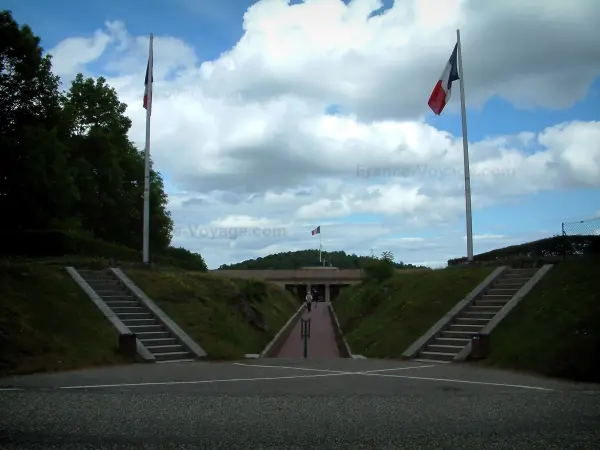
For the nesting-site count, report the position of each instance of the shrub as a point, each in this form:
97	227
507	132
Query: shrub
378	270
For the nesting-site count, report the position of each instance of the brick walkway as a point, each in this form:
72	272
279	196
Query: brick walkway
322	337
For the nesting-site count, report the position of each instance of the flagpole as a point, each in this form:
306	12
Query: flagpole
146	234
320	246
463	111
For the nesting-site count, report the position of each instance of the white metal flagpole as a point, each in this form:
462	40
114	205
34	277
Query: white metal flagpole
146	251
320	246
465	152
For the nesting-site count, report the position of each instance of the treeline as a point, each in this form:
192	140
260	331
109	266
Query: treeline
306	258
67	166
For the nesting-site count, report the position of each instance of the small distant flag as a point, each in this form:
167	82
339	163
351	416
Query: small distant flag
443	88
147	92
316	230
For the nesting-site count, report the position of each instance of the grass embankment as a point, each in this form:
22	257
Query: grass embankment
226	317
48	323
555	330
384	319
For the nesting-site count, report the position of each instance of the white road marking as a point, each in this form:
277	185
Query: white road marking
224	380
378	373
374	372
449	380
10	389
294	368
331	371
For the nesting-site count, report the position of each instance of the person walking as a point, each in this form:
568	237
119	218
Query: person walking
309	299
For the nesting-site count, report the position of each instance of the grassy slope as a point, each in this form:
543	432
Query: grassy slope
48	323
206	307
383	320
555	330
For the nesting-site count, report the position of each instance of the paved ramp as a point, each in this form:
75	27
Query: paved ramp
322	343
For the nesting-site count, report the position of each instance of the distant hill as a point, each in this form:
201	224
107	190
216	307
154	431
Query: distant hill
304	258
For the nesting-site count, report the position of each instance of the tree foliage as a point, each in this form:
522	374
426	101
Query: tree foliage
307	258
66	162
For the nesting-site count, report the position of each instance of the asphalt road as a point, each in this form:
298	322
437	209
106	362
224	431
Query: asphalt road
317	404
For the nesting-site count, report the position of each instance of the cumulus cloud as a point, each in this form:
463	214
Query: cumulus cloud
246	140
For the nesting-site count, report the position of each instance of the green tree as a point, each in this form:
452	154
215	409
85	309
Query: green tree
111	170
387	256
37	187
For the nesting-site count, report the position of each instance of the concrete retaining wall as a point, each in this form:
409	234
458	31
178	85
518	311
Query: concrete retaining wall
342	344
273	347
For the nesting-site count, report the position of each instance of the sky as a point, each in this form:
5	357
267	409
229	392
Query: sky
273	117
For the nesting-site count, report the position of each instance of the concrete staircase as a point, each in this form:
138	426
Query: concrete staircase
135	316
470	321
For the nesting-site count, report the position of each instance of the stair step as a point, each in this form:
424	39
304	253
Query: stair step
461	320
171	356
484	309
134	322
437	361
95	274
145	335
512	281
135	308
451	341
168	361
444	348
126	316
450	334
123	303
94	277
491	303
165	348
462	327
152	342
121	297
502	291
111	292
141	329
104	287
496	297
105	283
476	314
437	355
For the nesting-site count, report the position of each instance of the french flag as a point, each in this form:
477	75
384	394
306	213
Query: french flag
316	231
442	90
147	92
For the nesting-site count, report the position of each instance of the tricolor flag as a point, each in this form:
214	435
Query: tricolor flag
147	92
316	231
442	90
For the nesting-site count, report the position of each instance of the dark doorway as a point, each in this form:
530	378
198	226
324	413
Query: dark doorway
318	292
301	290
